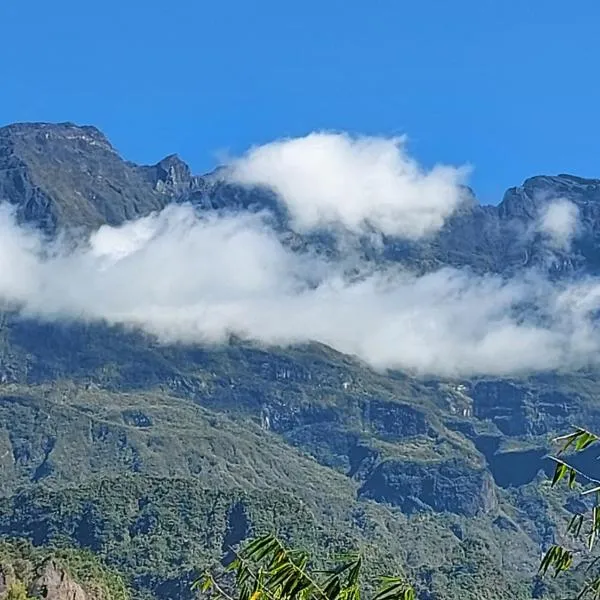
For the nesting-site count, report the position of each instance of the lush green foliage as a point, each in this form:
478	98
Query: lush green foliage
57	434
265	569
578	549
17	591
159	533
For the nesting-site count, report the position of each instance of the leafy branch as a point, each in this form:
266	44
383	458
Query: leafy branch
559	558
265	569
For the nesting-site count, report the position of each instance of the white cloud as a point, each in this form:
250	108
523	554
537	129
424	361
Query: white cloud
191	279
329	179
559	221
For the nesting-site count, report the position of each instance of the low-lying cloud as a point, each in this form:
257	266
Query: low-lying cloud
191	278
327	179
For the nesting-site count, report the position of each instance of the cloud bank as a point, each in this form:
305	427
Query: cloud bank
198	277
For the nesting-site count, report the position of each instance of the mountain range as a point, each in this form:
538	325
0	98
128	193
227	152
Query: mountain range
158	456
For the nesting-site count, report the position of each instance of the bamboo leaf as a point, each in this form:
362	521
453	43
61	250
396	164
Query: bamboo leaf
558	558
584	441
575	525
559	473
568	439
572	477
394	588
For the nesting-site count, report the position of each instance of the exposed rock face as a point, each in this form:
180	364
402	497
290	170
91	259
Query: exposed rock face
172	176
450	486
50	582
67	175
336	447
54	583
518	410
386	419
338	437
394	420
506	238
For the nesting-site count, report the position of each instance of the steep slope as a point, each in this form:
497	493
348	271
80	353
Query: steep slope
55	435
440	499
507	238
160	533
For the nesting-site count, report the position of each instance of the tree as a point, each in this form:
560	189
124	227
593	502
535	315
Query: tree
584	527
265	569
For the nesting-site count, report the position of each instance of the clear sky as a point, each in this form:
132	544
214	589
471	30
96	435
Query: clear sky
510	86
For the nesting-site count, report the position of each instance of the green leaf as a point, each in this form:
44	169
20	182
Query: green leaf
558	558
585	440
394	588
575	525
559	473
595	527
203	583
569	439
572	476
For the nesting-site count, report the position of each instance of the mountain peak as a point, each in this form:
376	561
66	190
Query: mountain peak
555	184
170	175
67	175
172	160
44	133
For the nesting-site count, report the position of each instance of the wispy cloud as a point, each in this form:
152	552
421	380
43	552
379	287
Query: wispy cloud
559	222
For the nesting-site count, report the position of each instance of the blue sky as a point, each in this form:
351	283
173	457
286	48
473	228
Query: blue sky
508	86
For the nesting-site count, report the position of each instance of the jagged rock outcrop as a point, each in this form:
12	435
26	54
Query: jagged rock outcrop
518	409
64	175
54	583
172	176
48	580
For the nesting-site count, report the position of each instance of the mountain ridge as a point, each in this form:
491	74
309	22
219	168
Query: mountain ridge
176	175
64	176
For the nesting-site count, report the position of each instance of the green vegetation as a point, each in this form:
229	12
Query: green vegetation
17	591
162	533
266	569
384	465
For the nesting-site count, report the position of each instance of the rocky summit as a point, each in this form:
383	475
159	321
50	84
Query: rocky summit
157	457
